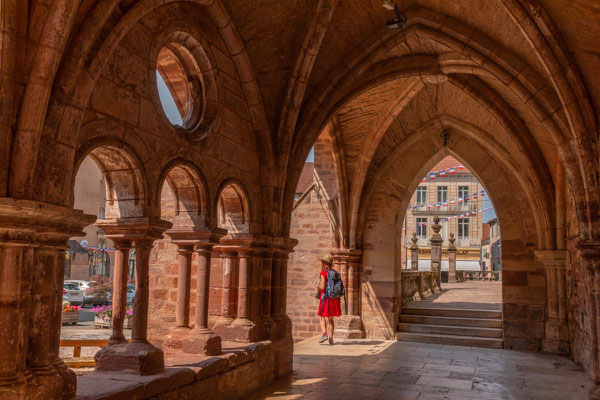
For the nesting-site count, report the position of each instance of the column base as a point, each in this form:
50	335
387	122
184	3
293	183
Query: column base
557	338
18	386
349	327
240	330
47	382
193	341
69	378
135	358
282	327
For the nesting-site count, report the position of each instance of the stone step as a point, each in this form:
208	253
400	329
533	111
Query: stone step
451	321
449	312
451	330
450	339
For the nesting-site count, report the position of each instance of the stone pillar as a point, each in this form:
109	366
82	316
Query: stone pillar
184	258
33	237
139	331
414	253
267	270
436	246
137	356
451	258
119	293
223	324
244	328
282	325
557	330
349	325
182	338
16	272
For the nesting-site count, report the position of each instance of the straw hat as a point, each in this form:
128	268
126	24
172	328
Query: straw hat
327	259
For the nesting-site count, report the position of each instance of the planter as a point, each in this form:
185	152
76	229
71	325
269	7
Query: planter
70	317
107	322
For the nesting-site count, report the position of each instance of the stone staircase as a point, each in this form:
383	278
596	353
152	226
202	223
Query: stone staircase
480	328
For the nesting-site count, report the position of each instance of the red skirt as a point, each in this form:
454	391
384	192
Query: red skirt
331	308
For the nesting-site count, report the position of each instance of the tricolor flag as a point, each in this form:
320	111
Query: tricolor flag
461	167
460	199
424	223
442	173
467	198
452	171
452	201
424	180
429	206
482	193
485	209
456	216
473	213
491	206
445	204
432	176
437	205
474	195
479	211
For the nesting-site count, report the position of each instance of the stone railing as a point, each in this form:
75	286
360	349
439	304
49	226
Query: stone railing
416	285
477	275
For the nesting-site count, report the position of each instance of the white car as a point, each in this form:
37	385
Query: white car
87	288
130	294
72	293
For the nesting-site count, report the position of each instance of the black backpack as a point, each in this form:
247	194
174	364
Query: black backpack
334	288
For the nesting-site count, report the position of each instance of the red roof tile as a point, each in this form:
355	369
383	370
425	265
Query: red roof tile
448	162
306	177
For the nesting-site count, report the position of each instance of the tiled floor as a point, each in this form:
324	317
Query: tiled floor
369	369
484	295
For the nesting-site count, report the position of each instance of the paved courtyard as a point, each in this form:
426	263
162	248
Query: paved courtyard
482	295
369	369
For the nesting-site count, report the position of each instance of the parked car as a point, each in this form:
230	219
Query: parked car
130	294
73	294
89	296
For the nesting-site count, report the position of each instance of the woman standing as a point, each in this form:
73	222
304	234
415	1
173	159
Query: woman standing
328	307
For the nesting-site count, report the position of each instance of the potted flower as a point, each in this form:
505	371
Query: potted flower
103	316
70	313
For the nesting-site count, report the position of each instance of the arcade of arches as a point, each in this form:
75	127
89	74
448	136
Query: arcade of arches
207	204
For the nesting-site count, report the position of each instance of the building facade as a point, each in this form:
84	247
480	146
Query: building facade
451	192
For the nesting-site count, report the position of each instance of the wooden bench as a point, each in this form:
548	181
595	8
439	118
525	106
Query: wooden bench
77	361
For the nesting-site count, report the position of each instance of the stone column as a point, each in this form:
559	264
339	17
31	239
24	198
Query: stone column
137	356
139	331
16	272
223	325
451	258
414	253
436	245
557	330
244	327
119	293
267	267
282	326
184	258
350	324
33	237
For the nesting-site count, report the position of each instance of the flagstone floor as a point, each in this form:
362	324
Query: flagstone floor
370	369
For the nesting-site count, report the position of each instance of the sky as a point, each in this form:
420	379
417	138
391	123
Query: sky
490	213
311	155
167	101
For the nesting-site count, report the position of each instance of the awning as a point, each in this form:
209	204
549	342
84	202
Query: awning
76	248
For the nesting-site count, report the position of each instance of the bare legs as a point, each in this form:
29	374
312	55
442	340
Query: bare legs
330	326
323	324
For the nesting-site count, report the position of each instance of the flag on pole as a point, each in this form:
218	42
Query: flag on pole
467	198
452	170
429	206
432	176
445	204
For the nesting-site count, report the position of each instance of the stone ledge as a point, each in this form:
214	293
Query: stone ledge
189	373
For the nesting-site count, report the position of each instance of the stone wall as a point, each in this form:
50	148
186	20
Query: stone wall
310	225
